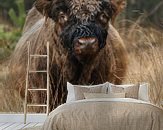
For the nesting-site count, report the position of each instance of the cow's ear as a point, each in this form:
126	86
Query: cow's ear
120	5
44	7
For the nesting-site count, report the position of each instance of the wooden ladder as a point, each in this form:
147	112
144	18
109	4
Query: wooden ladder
26	105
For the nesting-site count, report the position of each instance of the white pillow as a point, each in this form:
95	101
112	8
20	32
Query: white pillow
70	95
101	95
131	90
122	85
76	92
143	92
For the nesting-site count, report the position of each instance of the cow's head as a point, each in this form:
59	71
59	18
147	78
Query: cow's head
83	23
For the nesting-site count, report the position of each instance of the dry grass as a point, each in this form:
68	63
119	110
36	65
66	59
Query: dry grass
10	100
145	49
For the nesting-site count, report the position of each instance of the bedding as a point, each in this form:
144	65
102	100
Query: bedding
76	92
143	92
138	91
131	90
101	95
105	114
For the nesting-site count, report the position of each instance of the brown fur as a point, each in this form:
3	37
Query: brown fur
109	65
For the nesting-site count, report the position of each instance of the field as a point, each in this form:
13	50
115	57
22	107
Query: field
145	48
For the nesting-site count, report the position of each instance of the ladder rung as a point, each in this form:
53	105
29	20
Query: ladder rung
38	55
36	105
37	89
38	71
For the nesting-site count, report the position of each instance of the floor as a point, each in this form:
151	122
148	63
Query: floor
17	126
15	121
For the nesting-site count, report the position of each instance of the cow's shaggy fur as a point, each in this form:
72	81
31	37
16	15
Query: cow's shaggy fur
108	65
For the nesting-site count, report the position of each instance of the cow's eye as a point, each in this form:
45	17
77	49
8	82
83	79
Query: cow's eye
62	18
103	18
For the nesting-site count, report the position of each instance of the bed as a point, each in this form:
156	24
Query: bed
105	114
106	107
